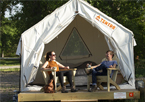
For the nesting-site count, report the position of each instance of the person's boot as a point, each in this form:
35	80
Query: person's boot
73	89
63	90
93	88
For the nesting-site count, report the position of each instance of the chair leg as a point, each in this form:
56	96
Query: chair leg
108	81
74	82
55	80
59	88
100	86
114	83
88	84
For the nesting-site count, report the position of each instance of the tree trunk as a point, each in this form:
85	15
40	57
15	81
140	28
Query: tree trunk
3	54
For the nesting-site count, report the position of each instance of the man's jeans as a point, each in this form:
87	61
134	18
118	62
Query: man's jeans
96	73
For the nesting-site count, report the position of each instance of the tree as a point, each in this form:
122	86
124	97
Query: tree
129	13
7	30
31	13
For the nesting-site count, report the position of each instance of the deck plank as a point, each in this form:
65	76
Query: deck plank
80	95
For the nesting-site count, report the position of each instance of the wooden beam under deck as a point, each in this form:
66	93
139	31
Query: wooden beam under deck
81	95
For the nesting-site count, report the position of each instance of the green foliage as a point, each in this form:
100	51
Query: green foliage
129	13
32	12
4	4
8	30
8	41
140	68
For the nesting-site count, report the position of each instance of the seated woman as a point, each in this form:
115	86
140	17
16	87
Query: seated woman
50	63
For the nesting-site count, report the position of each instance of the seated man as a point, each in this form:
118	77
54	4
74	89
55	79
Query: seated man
102	66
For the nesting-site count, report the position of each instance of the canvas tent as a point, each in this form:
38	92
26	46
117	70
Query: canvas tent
75	23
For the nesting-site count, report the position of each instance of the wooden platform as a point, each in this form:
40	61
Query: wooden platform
81	95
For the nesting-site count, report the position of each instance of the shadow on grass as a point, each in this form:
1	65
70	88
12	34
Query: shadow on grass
9	62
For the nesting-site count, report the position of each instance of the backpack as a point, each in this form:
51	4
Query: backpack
50	87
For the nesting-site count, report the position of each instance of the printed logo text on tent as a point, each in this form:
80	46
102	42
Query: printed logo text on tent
105	22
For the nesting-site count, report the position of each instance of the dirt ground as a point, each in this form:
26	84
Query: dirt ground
9	81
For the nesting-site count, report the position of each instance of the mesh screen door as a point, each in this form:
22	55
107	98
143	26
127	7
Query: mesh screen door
75	47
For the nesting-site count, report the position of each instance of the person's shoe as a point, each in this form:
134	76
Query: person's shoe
64	90
73	90
88	71
93	88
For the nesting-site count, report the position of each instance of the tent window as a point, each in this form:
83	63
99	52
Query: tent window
75	47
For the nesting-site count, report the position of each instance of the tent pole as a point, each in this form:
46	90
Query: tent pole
76	6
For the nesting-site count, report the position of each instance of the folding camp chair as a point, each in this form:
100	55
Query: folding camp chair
108	79
56	80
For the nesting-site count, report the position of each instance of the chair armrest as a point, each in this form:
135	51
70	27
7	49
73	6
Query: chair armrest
73	70
109	70
114	74
48	69
113	69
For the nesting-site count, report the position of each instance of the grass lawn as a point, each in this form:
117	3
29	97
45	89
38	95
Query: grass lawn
9	62
10	70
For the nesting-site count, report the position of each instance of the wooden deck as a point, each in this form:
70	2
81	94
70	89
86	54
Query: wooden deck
81	95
